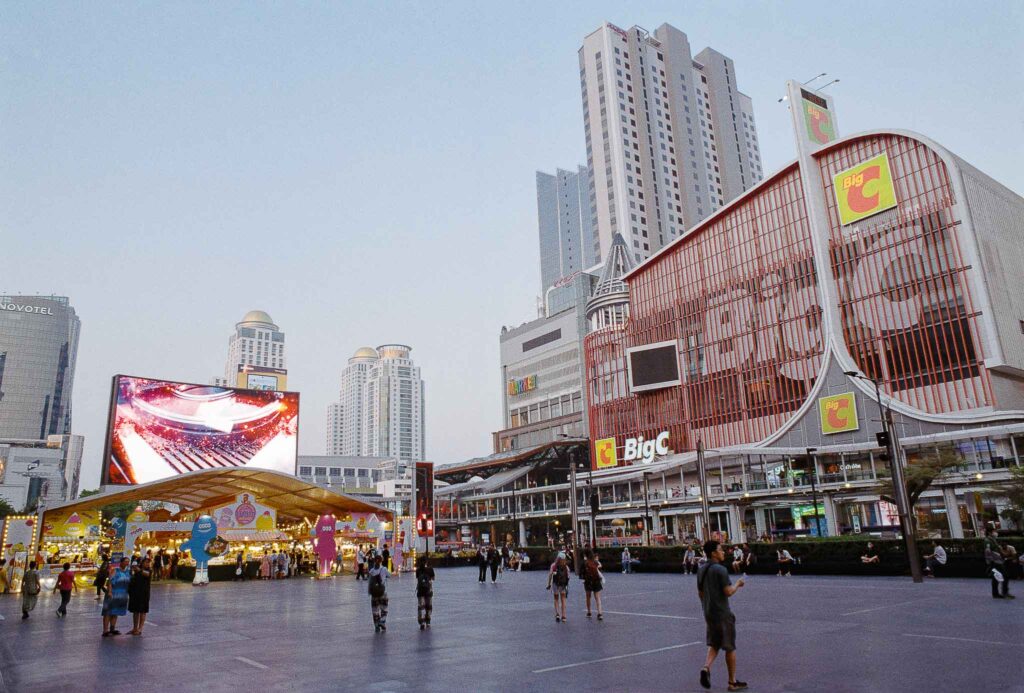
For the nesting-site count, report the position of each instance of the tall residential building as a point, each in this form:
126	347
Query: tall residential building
346	417
255	355
38	348
670	139
380	409
565	224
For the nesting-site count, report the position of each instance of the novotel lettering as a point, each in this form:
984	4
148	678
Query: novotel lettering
21	308
645	450
518	386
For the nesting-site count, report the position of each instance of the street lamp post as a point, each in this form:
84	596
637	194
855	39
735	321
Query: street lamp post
899	484
647	511
814	487
573	507
702	479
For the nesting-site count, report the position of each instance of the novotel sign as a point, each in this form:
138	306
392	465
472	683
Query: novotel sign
21	308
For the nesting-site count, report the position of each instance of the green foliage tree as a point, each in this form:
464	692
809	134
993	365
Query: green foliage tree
122	510
919	476
1014	512
6	508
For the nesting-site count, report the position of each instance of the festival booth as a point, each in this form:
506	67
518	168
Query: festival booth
222	513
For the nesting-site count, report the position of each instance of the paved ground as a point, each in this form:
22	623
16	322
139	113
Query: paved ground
795	634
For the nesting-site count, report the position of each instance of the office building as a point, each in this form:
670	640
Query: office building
380	410
38	348
256	358
350	474
670	138
34	472
565	225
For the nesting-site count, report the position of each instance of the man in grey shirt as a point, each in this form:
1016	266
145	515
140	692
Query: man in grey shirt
715	588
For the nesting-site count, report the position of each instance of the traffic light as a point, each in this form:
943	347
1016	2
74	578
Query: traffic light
595	503
883	439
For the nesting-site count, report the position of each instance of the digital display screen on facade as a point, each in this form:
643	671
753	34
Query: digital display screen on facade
653	366
159	428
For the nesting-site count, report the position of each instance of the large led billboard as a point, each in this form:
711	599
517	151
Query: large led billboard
159	428
653	366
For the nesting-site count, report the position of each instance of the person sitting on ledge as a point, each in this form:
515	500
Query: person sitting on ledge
871	555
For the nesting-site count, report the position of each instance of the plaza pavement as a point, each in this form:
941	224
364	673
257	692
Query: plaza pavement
795	634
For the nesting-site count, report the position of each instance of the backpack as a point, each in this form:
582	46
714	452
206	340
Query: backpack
561	577
423	584
376	586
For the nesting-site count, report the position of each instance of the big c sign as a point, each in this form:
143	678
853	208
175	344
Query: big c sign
864	190
838	413
604	453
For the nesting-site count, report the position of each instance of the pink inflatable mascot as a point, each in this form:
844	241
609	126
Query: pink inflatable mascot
324	547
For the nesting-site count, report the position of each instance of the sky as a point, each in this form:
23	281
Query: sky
364	172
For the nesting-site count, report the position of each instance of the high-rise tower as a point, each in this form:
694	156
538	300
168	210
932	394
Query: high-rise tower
670	138
565	226
255	355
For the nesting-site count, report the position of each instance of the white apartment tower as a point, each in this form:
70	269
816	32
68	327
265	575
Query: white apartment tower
346	417
256	342
565	224
670	138
380	408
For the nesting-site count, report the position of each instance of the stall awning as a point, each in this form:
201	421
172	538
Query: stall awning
293	498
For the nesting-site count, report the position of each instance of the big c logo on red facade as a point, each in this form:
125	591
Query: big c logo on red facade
838	413
864	190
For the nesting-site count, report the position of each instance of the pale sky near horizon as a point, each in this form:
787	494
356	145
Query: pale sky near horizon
365	172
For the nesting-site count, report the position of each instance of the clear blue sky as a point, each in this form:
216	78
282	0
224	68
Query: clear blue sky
365	172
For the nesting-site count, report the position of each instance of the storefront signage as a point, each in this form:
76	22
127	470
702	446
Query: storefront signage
18	535
864	189
518	386
818	122
245	513
645	450
19	308
838	413
74	525
605	453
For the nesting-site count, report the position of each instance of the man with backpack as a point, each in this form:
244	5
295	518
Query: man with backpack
424	592
378	589
714	588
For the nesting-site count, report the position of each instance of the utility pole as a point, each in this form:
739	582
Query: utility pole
647	511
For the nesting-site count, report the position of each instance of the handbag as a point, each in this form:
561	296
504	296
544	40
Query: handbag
238	571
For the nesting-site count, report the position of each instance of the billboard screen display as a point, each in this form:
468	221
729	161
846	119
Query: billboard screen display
261	382
653	366
160	428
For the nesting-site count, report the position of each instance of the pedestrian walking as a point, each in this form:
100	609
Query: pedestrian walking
360	563
558	583
115	600
158	565
65	584
385	556
424	592
481	562
593	581
996	566
378	589
138	595
265	567
627	561
689	560
172	570
493	560
239	567
102	573
5	584
30	587
715	588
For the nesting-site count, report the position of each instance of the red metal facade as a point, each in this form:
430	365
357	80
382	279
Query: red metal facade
908	315
741	295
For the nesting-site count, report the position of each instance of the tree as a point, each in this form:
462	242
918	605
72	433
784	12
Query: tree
122	510
1015	495
6	508
919	476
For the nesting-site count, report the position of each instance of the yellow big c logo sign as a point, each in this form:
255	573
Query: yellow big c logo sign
838	413
604	451
864	190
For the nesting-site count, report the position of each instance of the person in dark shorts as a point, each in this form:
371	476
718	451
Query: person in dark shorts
715	588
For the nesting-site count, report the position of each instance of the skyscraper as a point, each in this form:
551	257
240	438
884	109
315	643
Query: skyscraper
380	409
670	138
255	355
38	348
565	224
346	417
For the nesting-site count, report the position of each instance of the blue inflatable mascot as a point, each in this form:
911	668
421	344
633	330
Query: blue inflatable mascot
202	546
